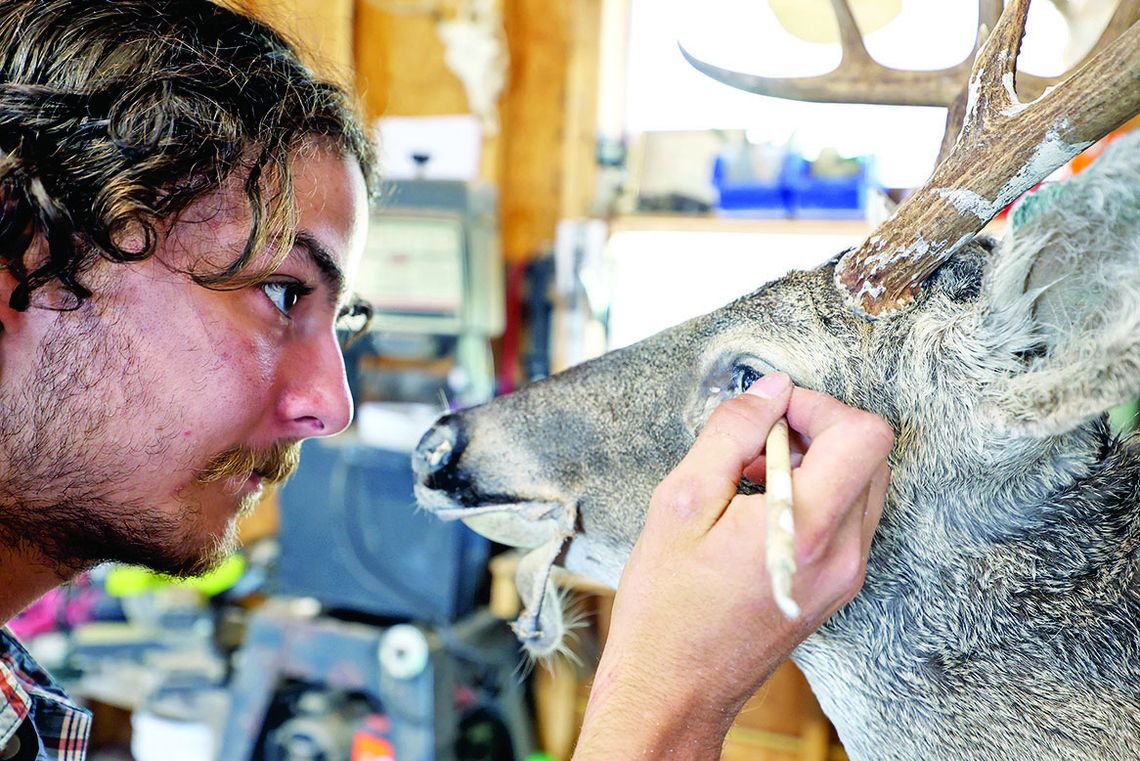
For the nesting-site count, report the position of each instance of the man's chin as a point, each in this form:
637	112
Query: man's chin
203	548
186	536
210	552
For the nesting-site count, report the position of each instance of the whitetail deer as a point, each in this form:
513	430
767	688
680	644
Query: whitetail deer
1000	615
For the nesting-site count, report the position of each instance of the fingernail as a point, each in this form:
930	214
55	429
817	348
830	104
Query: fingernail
770	386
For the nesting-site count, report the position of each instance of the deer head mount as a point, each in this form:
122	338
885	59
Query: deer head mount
998	616
1002	148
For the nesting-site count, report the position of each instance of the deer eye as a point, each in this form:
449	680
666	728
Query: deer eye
743	377
728	376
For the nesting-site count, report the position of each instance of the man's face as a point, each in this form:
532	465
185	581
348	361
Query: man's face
137	427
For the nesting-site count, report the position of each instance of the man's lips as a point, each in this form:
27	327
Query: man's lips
254	482
242	485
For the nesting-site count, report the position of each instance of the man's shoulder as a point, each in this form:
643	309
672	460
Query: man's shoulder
30	698
15	658
14	700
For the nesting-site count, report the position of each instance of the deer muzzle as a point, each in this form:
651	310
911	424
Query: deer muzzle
447	490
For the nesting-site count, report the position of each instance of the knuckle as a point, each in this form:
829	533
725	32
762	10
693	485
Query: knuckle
728	415
850	570
728	429
678	495
876	432
746	409
743	420
815	540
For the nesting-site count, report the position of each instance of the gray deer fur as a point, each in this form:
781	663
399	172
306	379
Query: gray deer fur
1000	616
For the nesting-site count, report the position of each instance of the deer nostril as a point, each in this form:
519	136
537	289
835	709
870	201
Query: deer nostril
437	452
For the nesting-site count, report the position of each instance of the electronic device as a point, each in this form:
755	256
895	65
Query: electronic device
432	262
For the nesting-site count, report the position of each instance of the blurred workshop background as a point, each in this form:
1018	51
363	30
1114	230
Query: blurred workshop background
559	182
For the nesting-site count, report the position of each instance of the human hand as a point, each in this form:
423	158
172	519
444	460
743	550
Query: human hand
695	630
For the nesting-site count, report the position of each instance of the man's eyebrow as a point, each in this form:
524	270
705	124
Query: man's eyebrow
331	272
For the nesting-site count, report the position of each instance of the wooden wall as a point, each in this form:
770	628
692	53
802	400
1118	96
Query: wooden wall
533	112
323	27
399	64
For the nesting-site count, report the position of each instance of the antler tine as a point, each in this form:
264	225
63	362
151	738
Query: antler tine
955	117
857	79
850	38
992	82
1029	86
866	83
1003	149
1126	14
989	11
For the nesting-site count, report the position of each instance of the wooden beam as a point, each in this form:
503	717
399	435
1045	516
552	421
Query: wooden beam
580	112
400	69
533	113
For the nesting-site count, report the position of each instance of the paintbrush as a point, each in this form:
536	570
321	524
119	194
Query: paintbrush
780	553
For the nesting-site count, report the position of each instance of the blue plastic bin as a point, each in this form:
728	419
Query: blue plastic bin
753	199
814	197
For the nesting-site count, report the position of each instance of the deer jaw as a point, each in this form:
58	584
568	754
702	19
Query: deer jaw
541	526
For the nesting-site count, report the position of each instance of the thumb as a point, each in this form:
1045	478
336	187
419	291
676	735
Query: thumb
702	485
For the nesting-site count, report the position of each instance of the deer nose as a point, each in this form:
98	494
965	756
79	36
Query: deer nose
434	462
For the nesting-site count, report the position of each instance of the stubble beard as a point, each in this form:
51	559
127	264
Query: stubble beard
60	499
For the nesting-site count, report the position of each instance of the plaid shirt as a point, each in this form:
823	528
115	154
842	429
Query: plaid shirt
34	709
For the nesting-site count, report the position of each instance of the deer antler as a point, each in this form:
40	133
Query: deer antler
861	79
1004	148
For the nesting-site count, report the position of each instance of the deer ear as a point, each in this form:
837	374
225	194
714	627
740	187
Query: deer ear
1064	296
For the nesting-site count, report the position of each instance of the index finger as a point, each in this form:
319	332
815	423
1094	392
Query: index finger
700	487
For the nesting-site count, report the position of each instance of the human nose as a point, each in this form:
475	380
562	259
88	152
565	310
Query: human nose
315	400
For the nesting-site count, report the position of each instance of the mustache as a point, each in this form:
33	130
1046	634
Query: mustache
274	463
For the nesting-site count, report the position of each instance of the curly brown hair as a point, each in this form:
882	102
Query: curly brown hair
117	114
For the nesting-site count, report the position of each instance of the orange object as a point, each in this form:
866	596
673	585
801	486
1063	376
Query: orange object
1086	157
371	743
366	747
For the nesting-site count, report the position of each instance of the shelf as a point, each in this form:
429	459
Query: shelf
795	226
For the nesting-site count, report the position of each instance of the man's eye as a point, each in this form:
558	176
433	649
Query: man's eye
743	377
285	295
